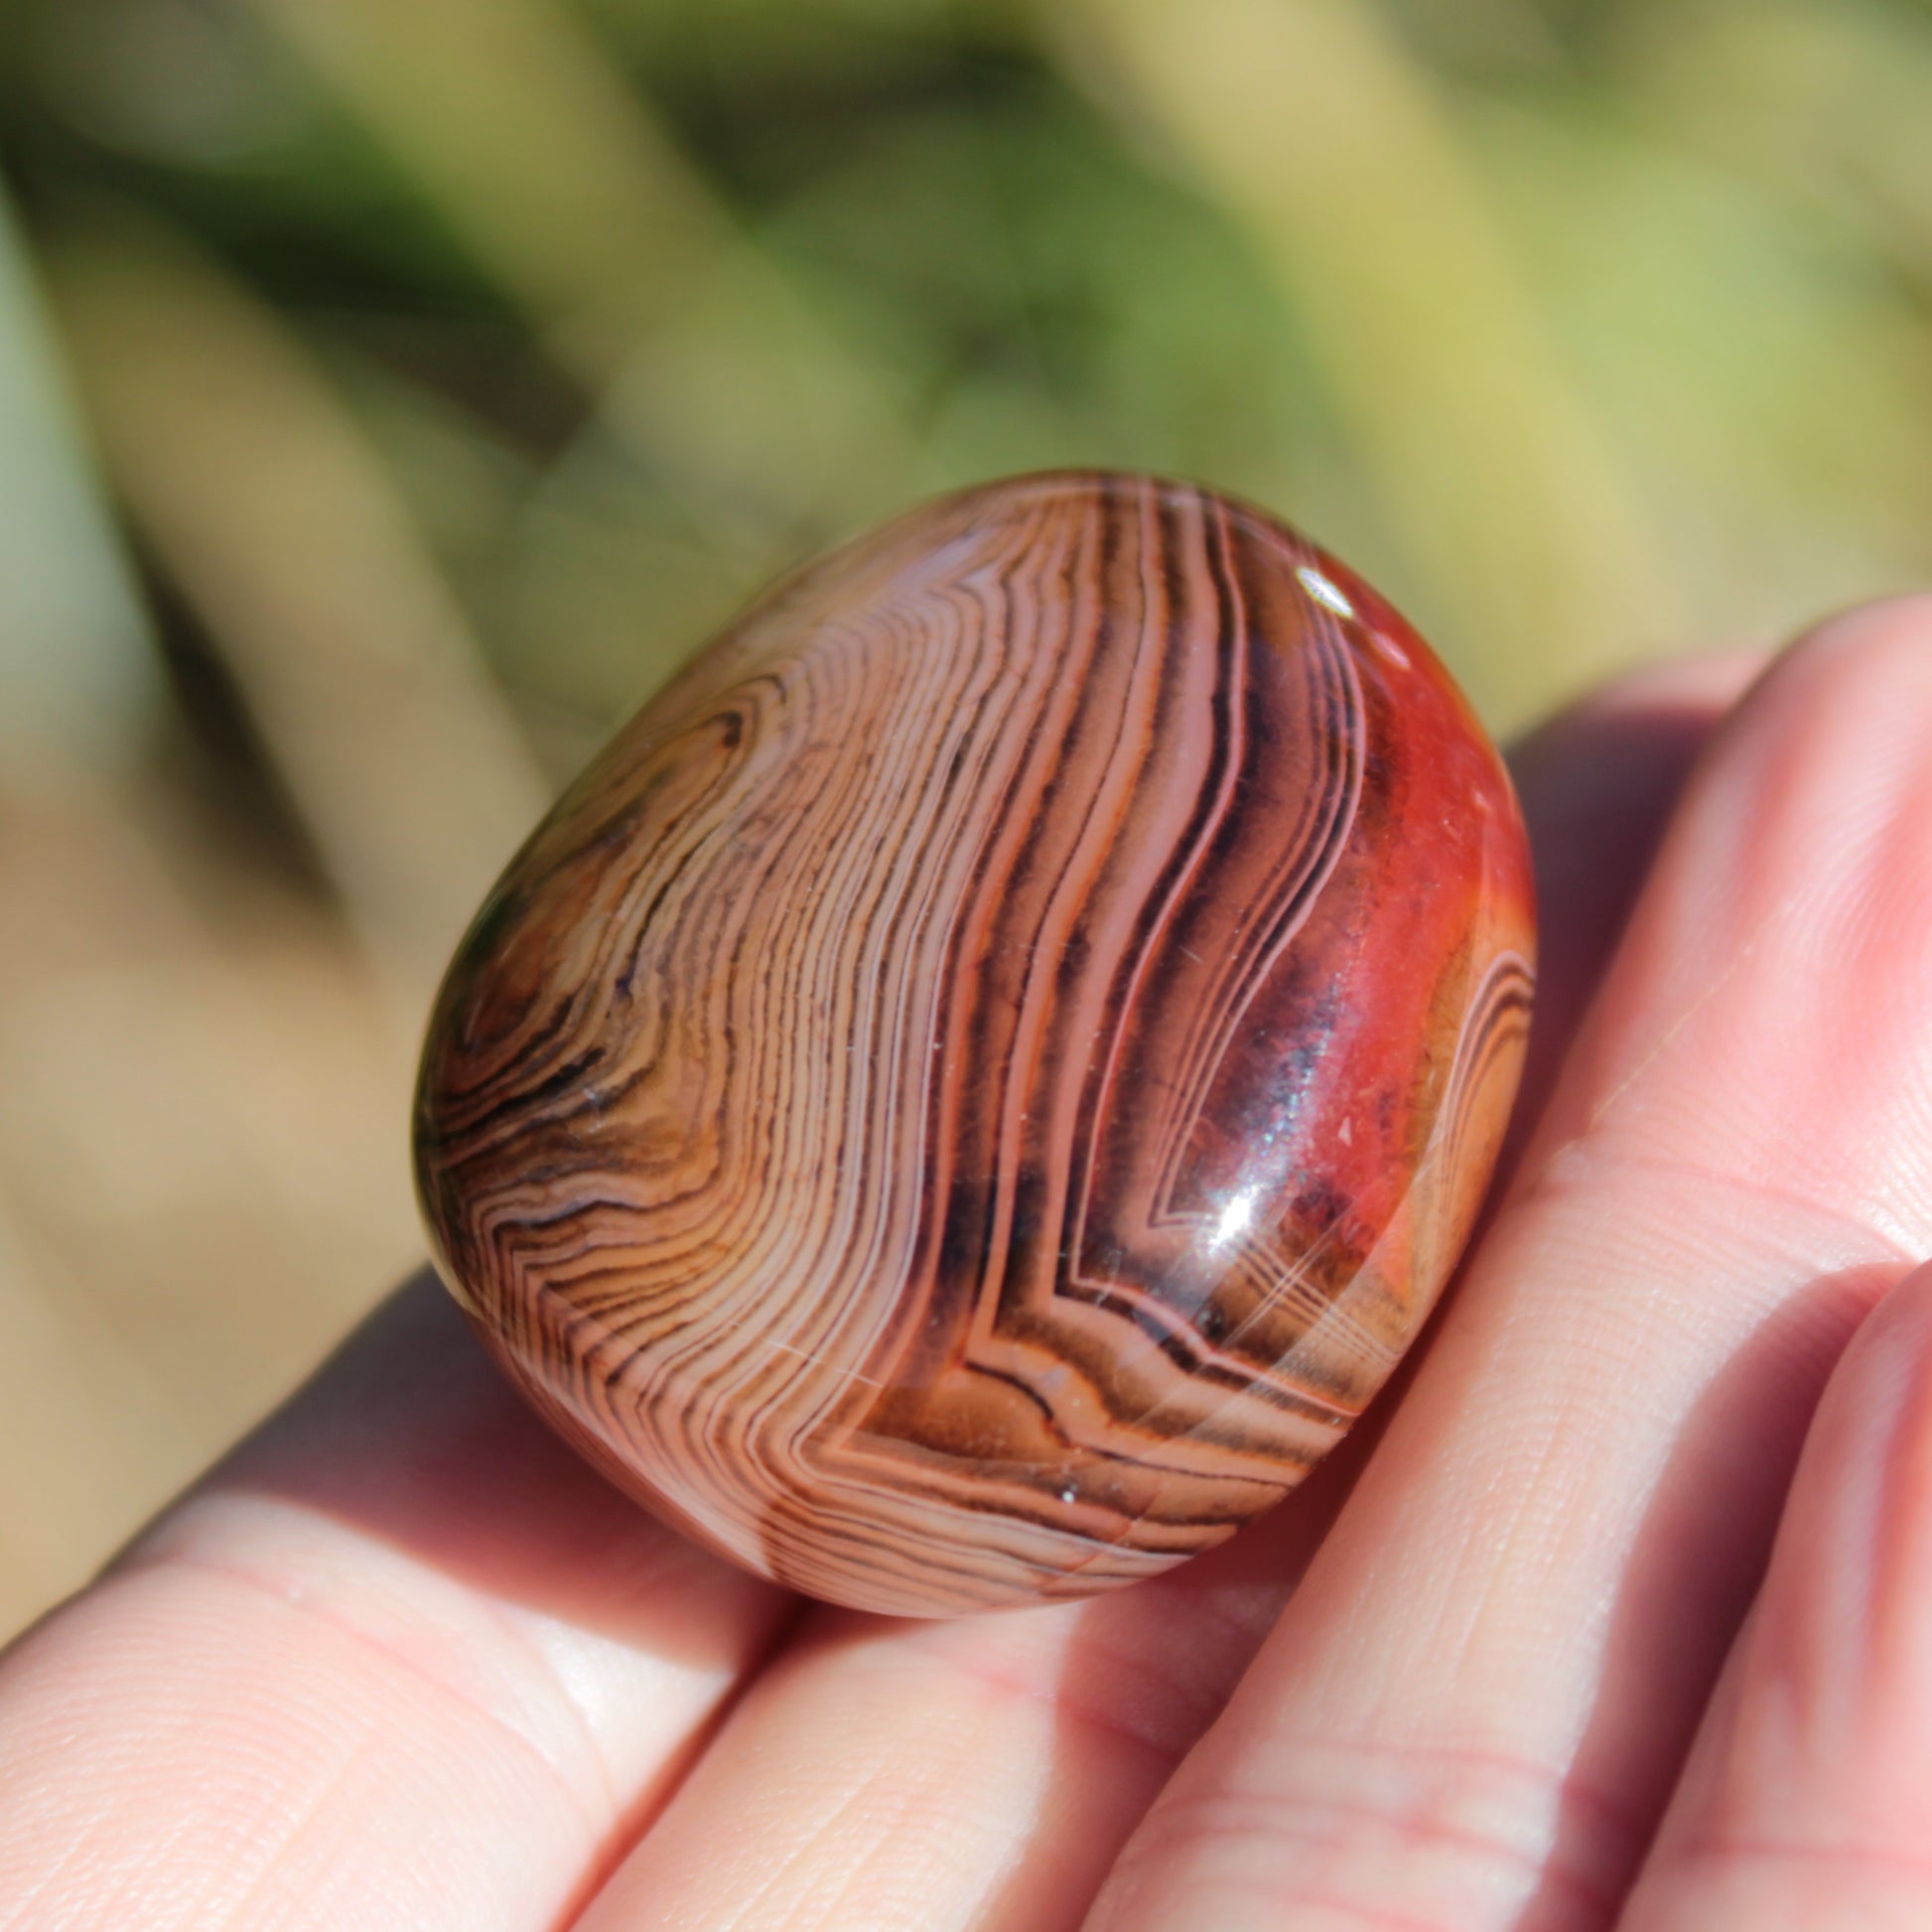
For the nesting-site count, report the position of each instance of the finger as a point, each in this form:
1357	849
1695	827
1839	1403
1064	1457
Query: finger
985	1773
973	1773
1807	1805
1471	1714
400	1662
1599	784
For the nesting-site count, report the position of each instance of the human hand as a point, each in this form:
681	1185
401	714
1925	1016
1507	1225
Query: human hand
1517	1662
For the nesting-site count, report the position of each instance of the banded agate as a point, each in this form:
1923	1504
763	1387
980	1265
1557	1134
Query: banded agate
971	1093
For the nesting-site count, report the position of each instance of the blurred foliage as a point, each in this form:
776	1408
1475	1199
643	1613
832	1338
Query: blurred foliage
1587	328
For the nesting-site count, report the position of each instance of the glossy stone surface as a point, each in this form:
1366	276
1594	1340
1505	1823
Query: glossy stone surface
974	1089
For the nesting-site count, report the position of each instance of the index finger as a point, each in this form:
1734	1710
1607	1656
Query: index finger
401	1660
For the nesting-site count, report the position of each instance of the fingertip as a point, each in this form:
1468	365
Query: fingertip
1861	1509
1867	1463
1893	1340
1880	627
1831	737
1807	1799
1767	1019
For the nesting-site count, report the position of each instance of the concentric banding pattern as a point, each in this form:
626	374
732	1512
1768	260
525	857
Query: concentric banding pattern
973	1091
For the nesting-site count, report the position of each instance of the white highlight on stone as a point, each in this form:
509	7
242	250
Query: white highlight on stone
1324	592
1235	1220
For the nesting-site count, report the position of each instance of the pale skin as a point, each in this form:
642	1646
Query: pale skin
1616	1614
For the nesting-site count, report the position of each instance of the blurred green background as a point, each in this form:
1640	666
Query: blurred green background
392	390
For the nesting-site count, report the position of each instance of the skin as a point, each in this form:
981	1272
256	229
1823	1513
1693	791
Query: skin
1615	1615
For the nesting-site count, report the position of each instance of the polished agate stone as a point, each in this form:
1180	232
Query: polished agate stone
972	1092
